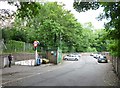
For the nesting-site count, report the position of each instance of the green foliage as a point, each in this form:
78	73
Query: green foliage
53	27
100	40
17	46
89	49
112	47
84	6
7	34
28	10
111	12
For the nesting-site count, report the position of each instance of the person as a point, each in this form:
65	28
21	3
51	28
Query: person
10	59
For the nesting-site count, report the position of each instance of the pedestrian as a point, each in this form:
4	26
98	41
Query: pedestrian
10	59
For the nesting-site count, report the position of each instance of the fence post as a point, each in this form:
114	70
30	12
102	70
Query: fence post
119	68
116	65
29	47
24	47
113	62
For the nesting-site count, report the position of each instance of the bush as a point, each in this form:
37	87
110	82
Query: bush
91	49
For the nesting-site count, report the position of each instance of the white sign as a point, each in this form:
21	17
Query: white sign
36	43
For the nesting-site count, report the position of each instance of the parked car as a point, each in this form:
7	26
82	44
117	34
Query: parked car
95	55
102	59
78	54
91	54
45	61
71	57
99	56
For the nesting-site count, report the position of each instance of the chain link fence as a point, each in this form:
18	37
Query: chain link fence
20	51
17	46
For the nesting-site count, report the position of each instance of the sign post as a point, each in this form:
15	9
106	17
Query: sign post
36	54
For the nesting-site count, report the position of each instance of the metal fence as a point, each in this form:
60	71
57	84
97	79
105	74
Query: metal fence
116	65
1	45
17	46
115	62
20	50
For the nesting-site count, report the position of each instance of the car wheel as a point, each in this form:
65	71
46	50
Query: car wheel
76	59
65	58
106	61
98	61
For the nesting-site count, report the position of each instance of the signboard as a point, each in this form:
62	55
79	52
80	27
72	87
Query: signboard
36	43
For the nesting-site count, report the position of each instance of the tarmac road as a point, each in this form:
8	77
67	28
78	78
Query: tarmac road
85	72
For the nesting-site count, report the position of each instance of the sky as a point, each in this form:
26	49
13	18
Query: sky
83	17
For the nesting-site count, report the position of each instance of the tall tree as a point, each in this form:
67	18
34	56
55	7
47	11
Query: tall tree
49	23
111	12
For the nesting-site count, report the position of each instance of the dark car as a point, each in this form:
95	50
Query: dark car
102	59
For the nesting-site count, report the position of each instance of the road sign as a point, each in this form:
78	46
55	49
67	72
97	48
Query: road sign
36	54
36	43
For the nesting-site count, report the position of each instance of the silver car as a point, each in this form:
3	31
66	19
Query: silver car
72	57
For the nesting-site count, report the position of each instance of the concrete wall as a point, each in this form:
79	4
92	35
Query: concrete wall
16	57
1	61
23	56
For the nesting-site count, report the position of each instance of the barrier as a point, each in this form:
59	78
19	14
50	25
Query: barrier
25	62
5	62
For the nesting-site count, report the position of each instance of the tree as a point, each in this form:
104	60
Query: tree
100	41
111	12
51	25
54	27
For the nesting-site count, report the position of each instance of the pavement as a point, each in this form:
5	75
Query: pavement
20	68
16	69
110	77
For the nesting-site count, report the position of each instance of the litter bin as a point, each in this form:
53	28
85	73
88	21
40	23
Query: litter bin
38	61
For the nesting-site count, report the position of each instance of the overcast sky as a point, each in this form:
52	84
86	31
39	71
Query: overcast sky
83	17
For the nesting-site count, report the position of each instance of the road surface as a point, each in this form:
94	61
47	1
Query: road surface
85	72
